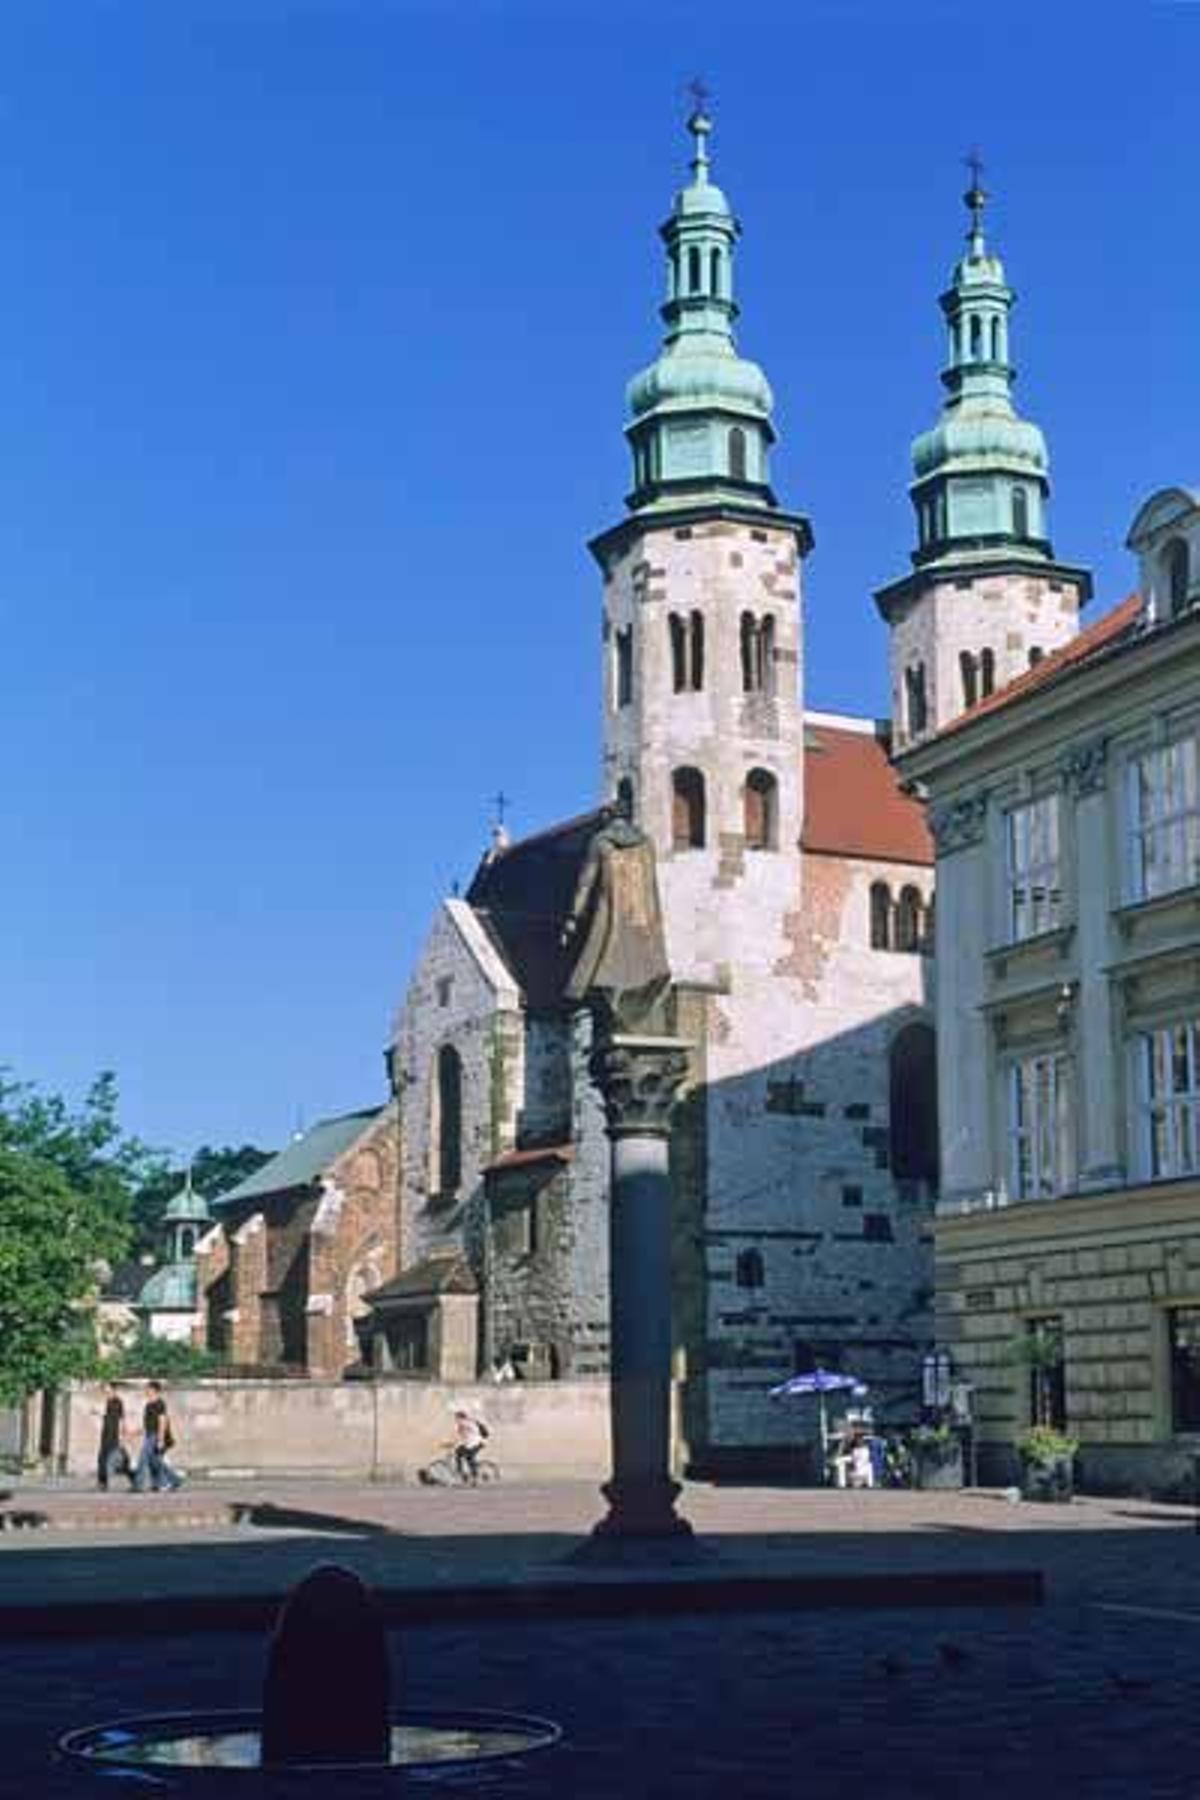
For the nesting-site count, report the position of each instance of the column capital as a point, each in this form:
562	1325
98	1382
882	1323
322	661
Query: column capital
639	1079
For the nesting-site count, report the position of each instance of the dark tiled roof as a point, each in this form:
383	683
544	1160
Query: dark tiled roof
1105	634
446	1274
127	1280
302	1162
853	802
523	895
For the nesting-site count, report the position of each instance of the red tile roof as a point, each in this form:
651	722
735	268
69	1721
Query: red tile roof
1100	635
853	802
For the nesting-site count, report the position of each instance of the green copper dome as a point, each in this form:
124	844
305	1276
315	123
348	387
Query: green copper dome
700	415
981	475
187	1207
171	1288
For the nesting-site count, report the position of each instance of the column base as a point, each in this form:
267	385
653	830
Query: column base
641	1526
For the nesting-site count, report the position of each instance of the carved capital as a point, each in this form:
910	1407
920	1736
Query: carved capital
959	824
1085	767
639	1079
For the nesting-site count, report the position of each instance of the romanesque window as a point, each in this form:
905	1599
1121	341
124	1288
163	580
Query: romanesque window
693	270
760	806
625	797
969	671
881	916
995	340
750	1272
696	650
758	653
625	666
445	1135
1165	803
678	633
1020	512
687	810
187	1242
1036	654
1169	1096
687	651
714	273
976	338
1175	560
1183	1349
1040	1137
737	453
912	1104
916	699
987	673
908	920
1034	871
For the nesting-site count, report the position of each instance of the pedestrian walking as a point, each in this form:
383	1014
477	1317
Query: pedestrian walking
112	1457
153	1470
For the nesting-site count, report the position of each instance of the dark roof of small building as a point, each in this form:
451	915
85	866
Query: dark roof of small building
853	802
522	895
446	1273
127	1280
302	1161
1104	635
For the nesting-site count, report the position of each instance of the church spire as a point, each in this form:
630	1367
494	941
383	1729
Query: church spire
700	423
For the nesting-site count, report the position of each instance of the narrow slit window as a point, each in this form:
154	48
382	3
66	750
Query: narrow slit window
688	810
760	805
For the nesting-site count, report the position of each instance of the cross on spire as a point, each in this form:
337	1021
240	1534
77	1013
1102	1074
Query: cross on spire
700	95
976	195
501	802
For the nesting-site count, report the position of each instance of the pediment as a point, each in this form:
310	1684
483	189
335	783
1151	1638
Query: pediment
1168	509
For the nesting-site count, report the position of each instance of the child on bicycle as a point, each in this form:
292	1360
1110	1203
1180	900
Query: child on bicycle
469	1435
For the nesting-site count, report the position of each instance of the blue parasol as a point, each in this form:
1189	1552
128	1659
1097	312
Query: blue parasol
820	1382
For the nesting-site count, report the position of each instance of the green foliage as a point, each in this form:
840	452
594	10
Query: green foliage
214	1172
66	1187
149	1356
1041	1444
1040	1348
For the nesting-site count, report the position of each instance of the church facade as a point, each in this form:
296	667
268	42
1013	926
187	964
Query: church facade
796	886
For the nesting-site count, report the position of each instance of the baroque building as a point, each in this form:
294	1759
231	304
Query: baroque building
796	886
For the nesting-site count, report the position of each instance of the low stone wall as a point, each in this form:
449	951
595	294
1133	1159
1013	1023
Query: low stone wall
366	1430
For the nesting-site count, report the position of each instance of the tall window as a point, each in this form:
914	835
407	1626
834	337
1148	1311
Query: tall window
678	631
908	920
1169	1079
1041	1153
749	1269
696	650
1183	1342
912	1104
758	654
687	651
625	666
446	1122
1020	512
1166	819
737	453
976	338
987	673
916	699
760	805
1047	1372
970	677
881	916
687	810
714	273
996	340
1034	875
1175	559
693	270
625	797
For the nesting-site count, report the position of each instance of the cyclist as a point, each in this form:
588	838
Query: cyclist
469	1435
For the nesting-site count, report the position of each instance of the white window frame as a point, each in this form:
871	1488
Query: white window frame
1041	1126
1164	812
1033	833
1170	1113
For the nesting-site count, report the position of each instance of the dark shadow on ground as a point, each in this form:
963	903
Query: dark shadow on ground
266	1515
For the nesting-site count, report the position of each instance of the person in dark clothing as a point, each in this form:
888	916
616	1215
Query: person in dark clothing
112	1457
153	1469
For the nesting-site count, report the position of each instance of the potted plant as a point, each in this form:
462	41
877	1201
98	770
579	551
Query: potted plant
937	1457
1047	1463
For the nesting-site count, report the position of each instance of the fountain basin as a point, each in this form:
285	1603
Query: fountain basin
219	1752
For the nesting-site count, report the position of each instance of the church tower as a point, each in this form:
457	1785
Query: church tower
986	598
702	616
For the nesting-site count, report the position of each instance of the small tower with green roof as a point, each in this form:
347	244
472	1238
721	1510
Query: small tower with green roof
702	599
986	598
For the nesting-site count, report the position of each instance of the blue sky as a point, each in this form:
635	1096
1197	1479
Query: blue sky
314	330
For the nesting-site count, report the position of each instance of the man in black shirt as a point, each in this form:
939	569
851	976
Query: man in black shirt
112	1457
153	1467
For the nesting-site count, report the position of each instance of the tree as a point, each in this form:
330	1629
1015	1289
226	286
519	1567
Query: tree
165	1358
214	1172
66	1187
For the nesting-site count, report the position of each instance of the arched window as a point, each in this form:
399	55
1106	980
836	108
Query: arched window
916	698
687	810
697	648
908	920
749	646
996	340
976	338
737	454
625	666
766	653
970	677
760	806
749	1271
1036	654
693	270
625	797
187	1242
912	1113
1020	512
1175	559
987	673
675	626
714	273
881	916
445	1158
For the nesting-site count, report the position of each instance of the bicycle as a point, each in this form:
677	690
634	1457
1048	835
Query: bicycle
444	1471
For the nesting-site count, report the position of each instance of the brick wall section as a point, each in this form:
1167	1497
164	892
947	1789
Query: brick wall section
352	1244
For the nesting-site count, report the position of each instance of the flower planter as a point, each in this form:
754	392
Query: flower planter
941	1469
1049	1479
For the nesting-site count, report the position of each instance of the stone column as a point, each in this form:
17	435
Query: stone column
639	1078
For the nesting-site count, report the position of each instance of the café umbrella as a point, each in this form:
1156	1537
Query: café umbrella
820	1382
